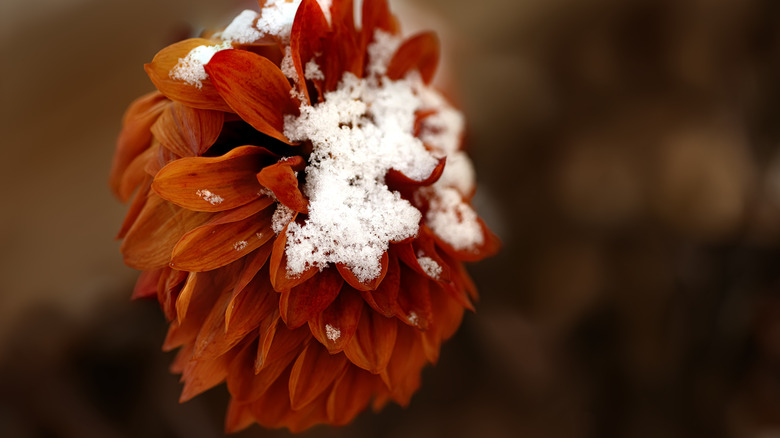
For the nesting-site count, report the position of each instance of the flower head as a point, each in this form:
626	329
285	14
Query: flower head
301	210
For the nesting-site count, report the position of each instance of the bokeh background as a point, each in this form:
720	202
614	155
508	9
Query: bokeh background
628	155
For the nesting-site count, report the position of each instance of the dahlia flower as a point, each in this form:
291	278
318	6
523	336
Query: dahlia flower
301	210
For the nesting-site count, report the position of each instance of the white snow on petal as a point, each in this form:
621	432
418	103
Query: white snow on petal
242	29
452	219
209	196
430	266
190	68
332	332
312	71
282	216
241	244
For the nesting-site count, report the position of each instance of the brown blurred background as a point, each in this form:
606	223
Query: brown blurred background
628	154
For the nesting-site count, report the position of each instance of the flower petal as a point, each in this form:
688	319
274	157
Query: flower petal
139	200
186	131
335	326
385	298
403	372
135	136
350	395
165	60
150	241
146	285
414	299
372	345
312	373
213	183
309	30
372	284
255	89
396	180
212	246
420	52
447	315
280	276
376	15
304	302
281	179
343	49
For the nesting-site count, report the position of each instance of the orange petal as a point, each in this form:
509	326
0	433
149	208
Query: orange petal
372	284
281	179
252	265
447	316
403	372
335	326
168	290
309	30
350	395
139	200
312	373
213	183
420	52
204	373
490	246
215	245
303	302
146	285
414	298
135	174
150	241
376	15
238	417
280	276
165	60
373	342
398	181
193	306
135	136
385	298
343	50
255	89
186	131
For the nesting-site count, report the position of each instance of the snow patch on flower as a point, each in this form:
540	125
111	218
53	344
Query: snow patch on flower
452	219
413	318
312	71
276	17
381	51
210	197
429	265
332	332
360	131
282	216
241	244
242	29
458	173
190	68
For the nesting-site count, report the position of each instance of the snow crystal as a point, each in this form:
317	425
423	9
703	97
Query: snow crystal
287	66
332	332
452	219
282	216
190	68
241	244
312	71
381	51
210	197
413	318
458	173
241	29
430	266
358	133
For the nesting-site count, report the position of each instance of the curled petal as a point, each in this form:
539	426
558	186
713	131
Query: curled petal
186	131
166	59
309	30
489	246
376	15
335	326
372	345
213	183
312	373
281	179
350	395
372	284
302	303
216	244
401	182
150	241
255	89
280	276
135	136
384	299
420	52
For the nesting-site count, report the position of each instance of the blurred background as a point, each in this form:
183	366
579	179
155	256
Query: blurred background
628	155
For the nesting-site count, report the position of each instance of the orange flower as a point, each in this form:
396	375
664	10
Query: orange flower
301	211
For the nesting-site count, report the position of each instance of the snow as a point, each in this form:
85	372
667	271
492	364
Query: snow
381	51
332	332
190	68
282	216
210	197
241	244
242	29
429	265
312	71
452	219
